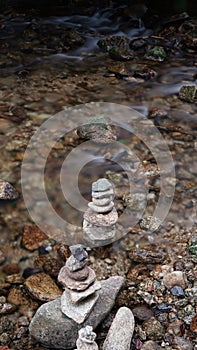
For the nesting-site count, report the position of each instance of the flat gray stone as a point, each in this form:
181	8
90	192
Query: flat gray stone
74	265
100	202
103	209
53	329
80	311
103	194
121	331
76	296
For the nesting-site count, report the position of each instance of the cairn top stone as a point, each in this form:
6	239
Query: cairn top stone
74	265
87	335
101	185
78	252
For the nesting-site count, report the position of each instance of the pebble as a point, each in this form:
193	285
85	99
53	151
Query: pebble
11	269
153	329
146	256
79	275
32	237
7	191
151	345
188	93
182	344
42	287
74	264
78	252
177	291
7	308
53	329
121	331
142	312
175	278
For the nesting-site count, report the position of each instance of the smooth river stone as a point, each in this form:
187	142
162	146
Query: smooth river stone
104	194
68	282
79	275
121	331
102	201
53	329
101	185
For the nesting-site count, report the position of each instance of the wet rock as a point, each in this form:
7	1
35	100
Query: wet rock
41	287
117	68
175	278
183	344
142	312
52	328
98	130
188	93
32	237
151	345
145	74
71	39
7	191
121	331
193	248
157	53
157	112
150	223
153	329
117	46
177	291
146	256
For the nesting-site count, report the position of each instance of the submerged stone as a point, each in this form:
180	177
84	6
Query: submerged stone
53	329
157	53
188	93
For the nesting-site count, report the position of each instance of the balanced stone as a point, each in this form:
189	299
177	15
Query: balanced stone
86	339
53	329
104	194
101	209
102	201
70	283
78	311
73	264
79	275
78	252
76	296
121	331
101	185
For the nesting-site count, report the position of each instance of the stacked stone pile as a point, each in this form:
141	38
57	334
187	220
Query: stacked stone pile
86	339
80	284
101	216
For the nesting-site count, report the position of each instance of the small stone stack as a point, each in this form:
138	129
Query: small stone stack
86	340
80	284
101	217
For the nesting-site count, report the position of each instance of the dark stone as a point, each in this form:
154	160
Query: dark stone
78	252
177	291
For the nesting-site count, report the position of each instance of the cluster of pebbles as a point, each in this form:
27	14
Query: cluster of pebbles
101	216
80	285
86	339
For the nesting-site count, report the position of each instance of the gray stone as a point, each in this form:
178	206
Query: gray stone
53	329
121	331
101	185
80	311
174	278
7	191
102	209
68	282
100	202
78	252
79	275
151	345
99	219
75	265
104	194
86	340
78	296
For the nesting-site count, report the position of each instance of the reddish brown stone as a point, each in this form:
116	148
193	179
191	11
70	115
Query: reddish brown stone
33	237
66	281
41	287
11	269
193	324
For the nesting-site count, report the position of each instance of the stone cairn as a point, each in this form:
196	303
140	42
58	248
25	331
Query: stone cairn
101	216
86	339
80	285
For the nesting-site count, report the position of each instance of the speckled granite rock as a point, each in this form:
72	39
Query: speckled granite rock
121	331
7	191
54	330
